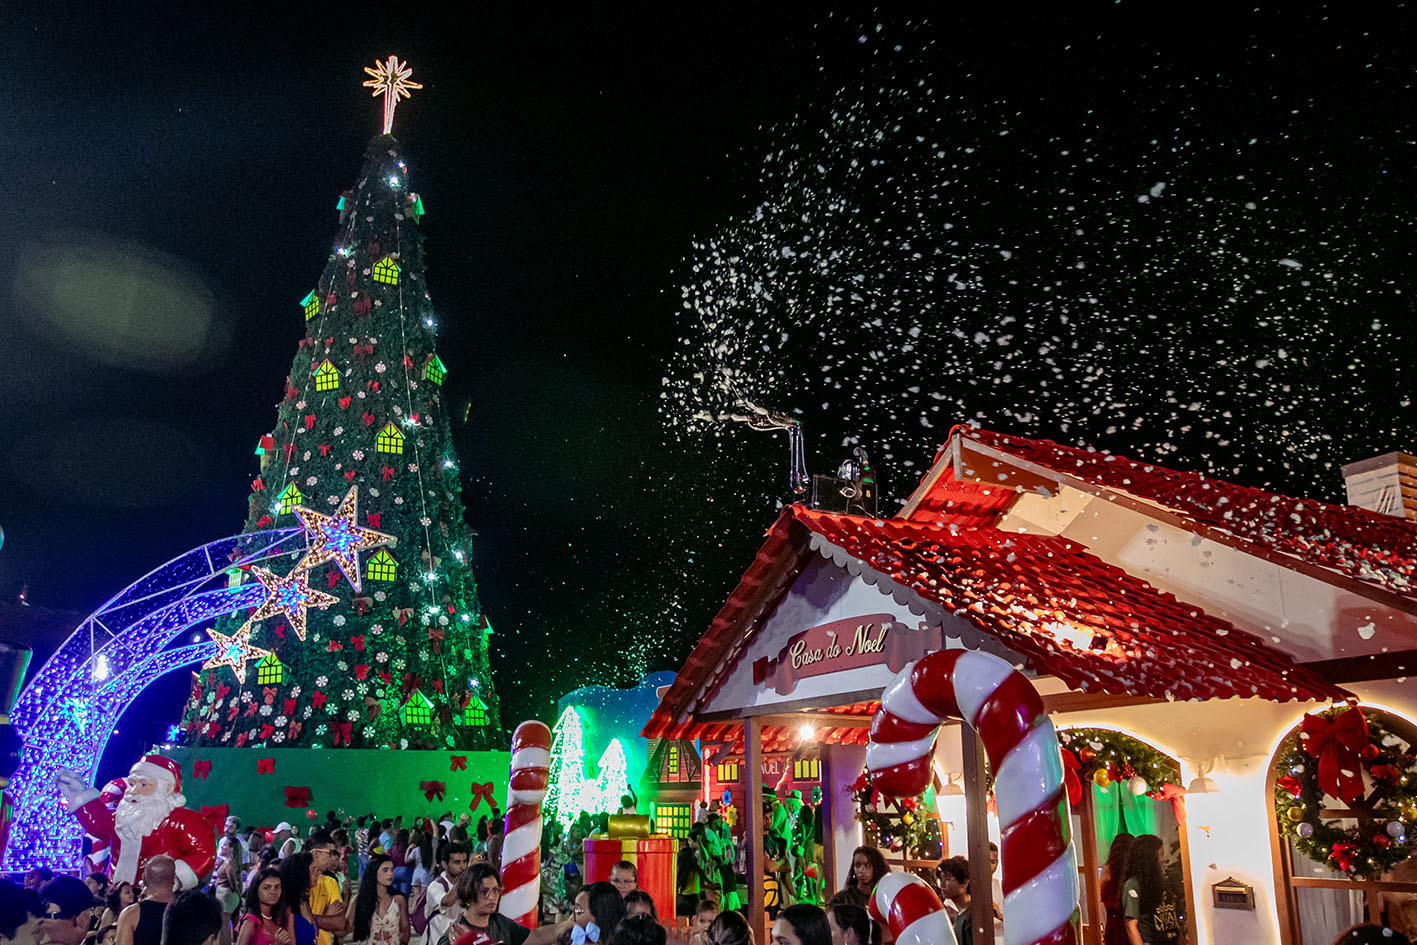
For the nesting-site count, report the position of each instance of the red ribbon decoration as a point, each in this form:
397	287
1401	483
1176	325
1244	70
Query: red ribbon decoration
288	707
1291	784
215	816
269	694
433	790
267	730
297	796
1071	767
481	792
457	763
340	730
265	766
1343	855
201	768
1176	795
1336	743
318	699
293	731
361	671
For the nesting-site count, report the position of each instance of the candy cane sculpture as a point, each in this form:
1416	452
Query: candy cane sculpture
521	847
912	911
1040	868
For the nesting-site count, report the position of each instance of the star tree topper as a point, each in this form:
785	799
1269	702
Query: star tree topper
339	538
391	81
235	651
290	595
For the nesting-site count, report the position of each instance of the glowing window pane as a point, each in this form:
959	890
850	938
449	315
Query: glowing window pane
381	567
807	769
326	376
290	498
389	440
418	710
673	819
475	713
671	760
270	671
311	305
386	271
727	773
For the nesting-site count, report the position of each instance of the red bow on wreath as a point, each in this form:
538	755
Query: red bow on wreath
482	792
1071	767
201	768
433	790
1336	742
457	763
1176	795
1291	784
297	796
215	816
265	766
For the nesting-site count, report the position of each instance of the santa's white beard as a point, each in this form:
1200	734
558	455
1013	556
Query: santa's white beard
134	819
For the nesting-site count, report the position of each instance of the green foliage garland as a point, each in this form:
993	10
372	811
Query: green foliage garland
1364	849
898	824
1121	756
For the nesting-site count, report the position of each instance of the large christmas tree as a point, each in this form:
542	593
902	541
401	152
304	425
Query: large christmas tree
393	647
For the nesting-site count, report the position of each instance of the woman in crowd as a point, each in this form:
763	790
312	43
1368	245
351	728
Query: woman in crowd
398	851
295	886
849	925
1142	890
729	928
228	876
801	924
689	872
639	902
420	857
267	919
598	905
867	868
1114	931
120	896
639	929
377	914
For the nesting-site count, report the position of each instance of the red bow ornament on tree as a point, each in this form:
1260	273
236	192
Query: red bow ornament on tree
293	731
297	796
436	634
1336	742
269	694
318	699
340	731
481	792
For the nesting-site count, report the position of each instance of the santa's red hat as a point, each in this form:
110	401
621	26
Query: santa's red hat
164	770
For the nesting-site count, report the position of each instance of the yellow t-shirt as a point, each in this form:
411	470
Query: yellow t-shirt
324	892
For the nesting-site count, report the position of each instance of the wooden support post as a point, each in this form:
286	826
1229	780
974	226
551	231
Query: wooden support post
830	808
976	802
1091	871
753	817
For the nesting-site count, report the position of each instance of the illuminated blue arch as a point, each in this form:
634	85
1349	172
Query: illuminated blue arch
67	712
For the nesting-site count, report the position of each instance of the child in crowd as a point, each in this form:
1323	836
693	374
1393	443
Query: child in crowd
704	914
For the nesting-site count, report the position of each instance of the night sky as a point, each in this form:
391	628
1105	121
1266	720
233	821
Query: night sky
1181	235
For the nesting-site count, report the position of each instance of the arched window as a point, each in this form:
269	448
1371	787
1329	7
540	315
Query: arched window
386	271
389	440
326	376
1342	851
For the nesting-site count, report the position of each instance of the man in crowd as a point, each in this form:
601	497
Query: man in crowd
440	904
479	893
194	918
141	923
231	830
66	905
363	842
324	898
279	836
624	877
291	844
37	877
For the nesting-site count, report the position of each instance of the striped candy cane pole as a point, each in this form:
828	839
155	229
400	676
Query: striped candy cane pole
521	847
911	910
1040	868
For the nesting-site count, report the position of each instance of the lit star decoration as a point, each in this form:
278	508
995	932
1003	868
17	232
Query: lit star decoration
391	81
291	596
234	651
338	538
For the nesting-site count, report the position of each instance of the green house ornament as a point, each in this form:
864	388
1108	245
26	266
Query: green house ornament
433	370
326	376
386	271
289	498
381	566
311	305
389	440
417	710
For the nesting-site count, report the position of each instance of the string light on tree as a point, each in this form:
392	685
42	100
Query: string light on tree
291	595
234	651
613	780
391	80
567	771
339	537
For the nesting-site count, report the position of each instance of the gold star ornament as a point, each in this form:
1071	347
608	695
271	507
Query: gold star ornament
339	537
290	595
235	651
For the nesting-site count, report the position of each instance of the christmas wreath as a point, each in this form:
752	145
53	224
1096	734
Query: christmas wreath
896	823
1358	761
1103	756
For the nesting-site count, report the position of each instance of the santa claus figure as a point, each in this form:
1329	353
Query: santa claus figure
148	820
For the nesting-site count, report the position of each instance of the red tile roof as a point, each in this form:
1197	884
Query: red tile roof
1378	550
777	739
1069	613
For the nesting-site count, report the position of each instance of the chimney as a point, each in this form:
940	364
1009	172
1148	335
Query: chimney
1386	484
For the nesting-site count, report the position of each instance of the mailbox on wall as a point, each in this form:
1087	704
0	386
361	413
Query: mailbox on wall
1230	893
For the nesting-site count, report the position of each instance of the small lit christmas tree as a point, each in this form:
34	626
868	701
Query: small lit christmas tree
374	637
566	775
